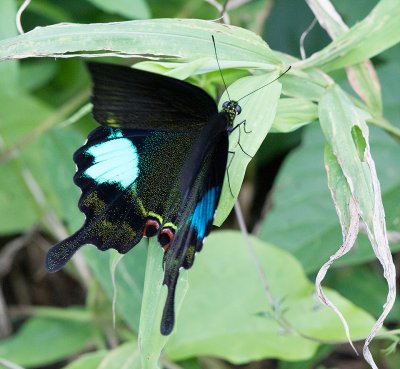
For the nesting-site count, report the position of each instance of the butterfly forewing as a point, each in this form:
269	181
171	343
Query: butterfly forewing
132	98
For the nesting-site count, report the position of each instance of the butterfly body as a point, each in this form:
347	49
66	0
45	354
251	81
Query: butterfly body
153	168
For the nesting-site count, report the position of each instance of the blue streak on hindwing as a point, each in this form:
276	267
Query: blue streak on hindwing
204	212
115	161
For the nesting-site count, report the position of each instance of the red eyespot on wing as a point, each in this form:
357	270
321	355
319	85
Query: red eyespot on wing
165	237
151	228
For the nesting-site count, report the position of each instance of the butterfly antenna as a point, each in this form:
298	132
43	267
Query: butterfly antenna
252	92
219	67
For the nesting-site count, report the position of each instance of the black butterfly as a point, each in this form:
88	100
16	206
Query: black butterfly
155	167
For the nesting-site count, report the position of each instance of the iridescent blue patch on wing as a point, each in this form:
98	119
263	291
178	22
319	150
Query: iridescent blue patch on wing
204	212
115	160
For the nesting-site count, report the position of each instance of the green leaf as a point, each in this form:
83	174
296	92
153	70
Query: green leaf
365	82
14	196
188	39
125	356
322	352
258	110
302	86
222	313
9	70
294	113
35	74
377	32
40	172
129	277
15	122
88	361
50	161
137	9
303	219
14	193
42	341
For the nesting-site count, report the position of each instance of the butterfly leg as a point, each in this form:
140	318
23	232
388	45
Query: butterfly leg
241	148
243	122
238	142
244	126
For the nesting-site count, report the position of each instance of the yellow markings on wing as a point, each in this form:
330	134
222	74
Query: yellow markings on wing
170	225
92	201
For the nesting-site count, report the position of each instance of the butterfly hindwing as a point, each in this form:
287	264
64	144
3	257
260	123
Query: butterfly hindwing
123	180
196	217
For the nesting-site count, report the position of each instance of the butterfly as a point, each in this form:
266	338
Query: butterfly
153	168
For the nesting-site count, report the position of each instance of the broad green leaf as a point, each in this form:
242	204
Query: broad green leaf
186	39
87	361
258	110
222	312
125	356
293	113
302	86
377	32
9	70
42	341
137	9
322	352
303	220
129	277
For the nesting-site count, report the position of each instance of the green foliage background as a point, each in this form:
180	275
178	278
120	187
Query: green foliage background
225	318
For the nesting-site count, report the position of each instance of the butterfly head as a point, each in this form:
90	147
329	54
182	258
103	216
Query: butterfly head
232	108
